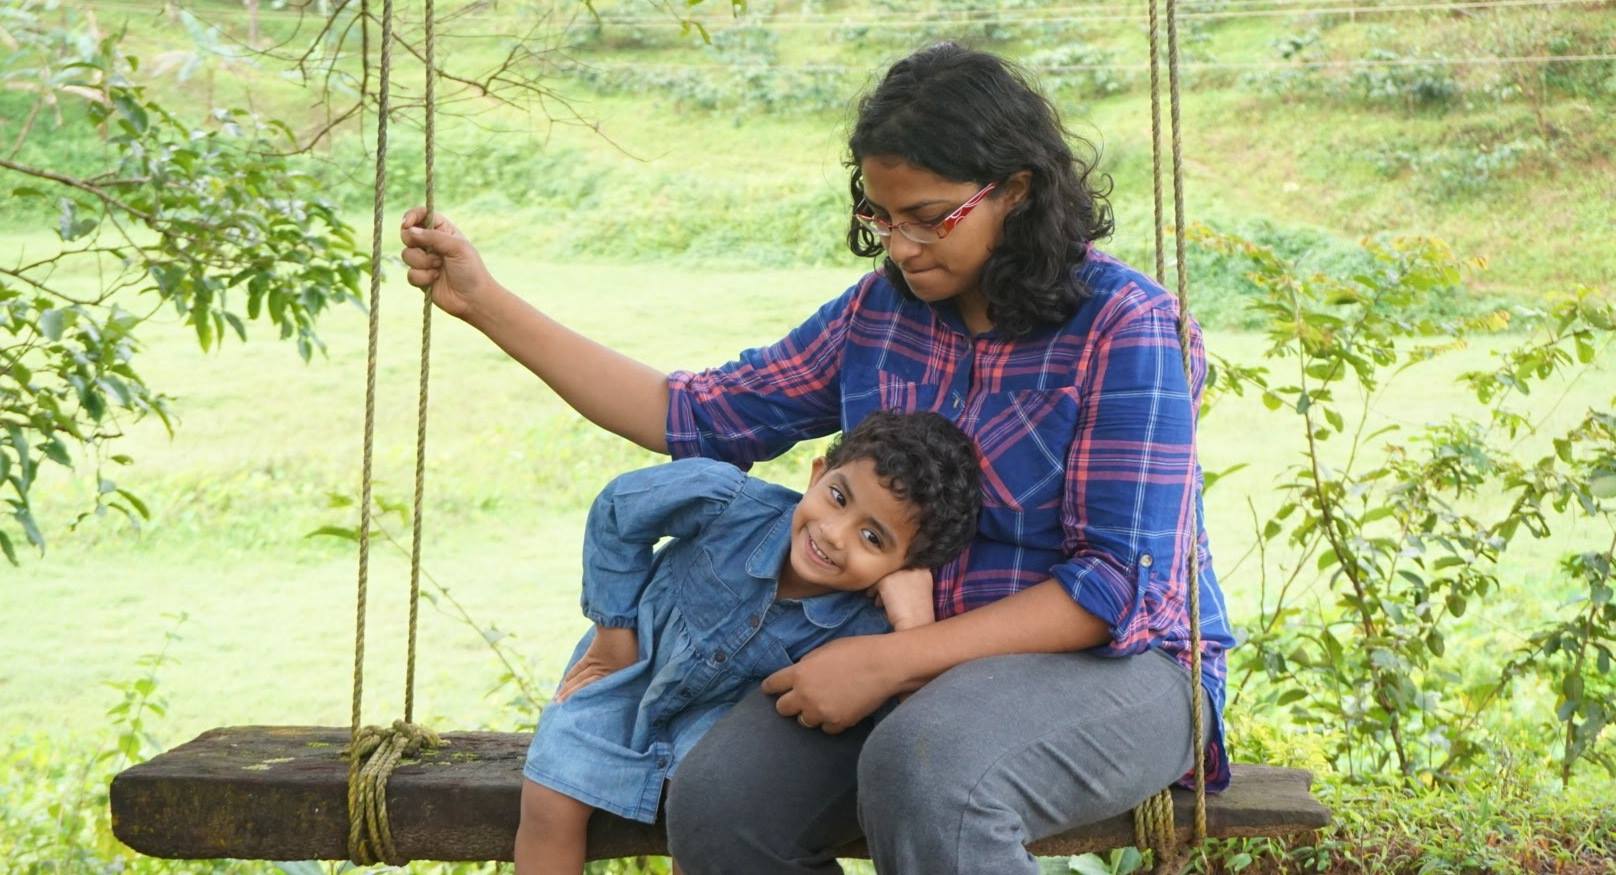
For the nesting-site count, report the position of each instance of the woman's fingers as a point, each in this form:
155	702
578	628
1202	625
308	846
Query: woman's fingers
422	259
780	681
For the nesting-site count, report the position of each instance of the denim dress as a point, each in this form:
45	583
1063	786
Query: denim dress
703	606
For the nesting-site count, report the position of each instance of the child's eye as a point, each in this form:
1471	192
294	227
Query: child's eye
836	496
871	538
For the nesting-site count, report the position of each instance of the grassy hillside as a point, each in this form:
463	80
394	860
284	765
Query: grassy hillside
1303	126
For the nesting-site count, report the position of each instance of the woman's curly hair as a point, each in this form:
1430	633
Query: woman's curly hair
926	461
970	116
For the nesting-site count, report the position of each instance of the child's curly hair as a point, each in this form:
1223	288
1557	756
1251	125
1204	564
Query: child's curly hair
928	462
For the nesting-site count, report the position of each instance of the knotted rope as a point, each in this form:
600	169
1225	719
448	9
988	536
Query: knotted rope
373	752
1153	819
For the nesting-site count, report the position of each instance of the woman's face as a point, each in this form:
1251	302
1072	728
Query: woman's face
898	191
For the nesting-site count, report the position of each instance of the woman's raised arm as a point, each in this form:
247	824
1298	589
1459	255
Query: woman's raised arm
610	389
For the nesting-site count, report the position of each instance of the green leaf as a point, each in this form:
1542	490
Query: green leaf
1603	486
1272	401
8	549
204	329
137	504
52	322
56	451
1089	864
1456	604
347	534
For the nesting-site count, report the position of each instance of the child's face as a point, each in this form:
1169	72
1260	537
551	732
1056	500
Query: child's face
849	531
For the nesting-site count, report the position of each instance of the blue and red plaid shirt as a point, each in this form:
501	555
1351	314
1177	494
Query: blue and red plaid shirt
1085	430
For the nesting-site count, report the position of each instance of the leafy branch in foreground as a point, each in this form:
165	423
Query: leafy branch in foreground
199	219
1395	531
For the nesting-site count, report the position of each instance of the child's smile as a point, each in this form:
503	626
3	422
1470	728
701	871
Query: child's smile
848	532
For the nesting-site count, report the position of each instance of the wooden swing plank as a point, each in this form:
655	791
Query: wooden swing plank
280	793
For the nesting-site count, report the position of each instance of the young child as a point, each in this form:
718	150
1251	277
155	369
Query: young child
754	576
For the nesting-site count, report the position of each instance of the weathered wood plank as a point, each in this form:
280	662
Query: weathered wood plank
280	793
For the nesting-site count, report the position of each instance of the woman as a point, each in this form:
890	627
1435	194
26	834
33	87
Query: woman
1054	690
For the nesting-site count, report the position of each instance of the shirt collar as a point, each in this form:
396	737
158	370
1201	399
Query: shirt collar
764	563
833	610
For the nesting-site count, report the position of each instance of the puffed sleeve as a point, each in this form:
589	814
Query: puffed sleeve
633	513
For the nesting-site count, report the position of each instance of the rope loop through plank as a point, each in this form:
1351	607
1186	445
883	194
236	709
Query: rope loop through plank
1153	819
374	752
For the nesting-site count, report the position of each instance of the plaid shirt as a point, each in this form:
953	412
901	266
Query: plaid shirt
1086	434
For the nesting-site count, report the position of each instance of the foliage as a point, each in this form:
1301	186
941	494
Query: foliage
200	220
1413	82
1396	528
1084	69
1456	170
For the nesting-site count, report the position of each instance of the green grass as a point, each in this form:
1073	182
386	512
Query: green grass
264	439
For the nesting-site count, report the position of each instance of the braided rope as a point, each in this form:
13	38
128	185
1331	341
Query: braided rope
426	367
1153	819
374	752
1185	340
370	363
1155	143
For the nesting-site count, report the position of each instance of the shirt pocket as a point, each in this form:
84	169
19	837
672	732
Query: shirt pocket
707	597
885	392
1023	437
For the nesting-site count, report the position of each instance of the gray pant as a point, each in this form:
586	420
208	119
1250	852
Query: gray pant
991	755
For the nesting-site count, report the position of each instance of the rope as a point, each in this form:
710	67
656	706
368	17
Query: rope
370	834
1192	524
374	752
1155	142
426	367
1154	827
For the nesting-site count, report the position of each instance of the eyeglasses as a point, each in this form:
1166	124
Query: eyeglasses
922	232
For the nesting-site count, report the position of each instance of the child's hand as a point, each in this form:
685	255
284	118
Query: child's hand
612	649
906	596
444	262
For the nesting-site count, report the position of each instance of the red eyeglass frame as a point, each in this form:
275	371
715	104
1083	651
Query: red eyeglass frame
941	228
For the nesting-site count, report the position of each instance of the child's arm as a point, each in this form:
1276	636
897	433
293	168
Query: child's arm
906	596
631	515
611	650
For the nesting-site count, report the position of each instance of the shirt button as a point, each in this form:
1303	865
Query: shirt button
957	402
719	657
754	621
1145	561
662	762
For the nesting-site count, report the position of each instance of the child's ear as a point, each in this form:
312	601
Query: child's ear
816	472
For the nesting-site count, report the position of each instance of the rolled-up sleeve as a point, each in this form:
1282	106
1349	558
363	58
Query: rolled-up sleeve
633	513
1131	477
768	399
